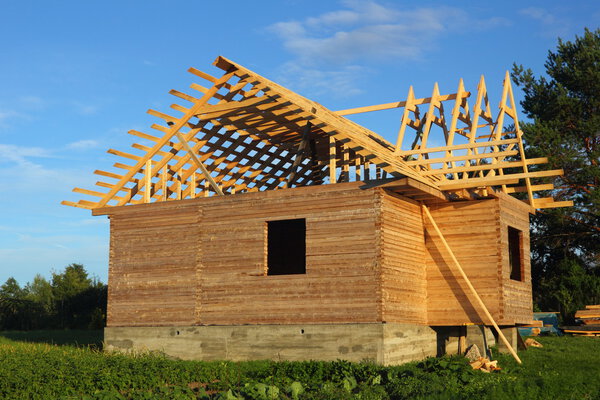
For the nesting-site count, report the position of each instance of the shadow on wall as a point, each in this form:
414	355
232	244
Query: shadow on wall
455	281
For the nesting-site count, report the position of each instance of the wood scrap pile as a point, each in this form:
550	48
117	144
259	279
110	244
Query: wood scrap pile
532	343
478	362
485	365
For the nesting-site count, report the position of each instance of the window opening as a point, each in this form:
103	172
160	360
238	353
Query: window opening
286	247
514	253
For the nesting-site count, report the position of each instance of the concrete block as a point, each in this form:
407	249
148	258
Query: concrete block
383	343
510	332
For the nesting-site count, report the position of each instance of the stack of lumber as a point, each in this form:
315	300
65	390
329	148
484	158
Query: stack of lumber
589	316
590	322
485	365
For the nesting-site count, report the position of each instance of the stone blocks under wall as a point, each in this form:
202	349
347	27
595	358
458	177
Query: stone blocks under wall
384	343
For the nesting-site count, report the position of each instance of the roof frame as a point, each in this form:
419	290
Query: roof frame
247	133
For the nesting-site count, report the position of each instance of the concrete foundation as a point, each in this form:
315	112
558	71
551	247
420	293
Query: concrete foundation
510	332
449	338
384	343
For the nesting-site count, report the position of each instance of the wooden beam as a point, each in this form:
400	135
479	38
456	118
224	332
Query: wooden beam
440	160
78	205
202	75
397	104
332	160
234	105
483	167
180	123
534	188
496	180
199	164
457	147
469	285
148	181
404	122
551	204
299	154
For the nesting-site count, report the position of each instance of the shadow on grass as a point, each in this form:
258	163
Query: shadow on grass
74	337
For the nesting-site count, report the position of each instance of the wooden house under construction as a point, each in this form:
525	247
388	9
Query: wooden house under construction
255	223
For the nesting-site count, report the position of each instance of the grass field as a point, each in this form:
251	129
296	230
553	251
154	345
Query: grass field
566	368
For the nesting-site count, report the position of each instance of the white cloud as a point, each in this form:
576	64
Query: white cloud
20	171
331	49
6	115
34	102
85	109
20	154
539	14
340	82
365	31
551	26
83	144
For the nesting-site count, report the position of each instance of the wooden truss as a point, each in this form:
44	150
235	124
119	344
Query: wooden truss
241	132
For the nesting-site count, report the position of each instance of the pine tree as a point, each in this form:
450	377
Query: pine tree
564	106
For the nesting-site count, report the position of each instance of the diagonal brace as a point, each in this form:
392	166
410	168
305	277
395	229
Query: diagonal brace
471	288
199	164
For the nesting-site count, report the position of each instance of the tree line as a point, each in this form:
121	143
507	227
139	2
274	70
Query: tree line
70	300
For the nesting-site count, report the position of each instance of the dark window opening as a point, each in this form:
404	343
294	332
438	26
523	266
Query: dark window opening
286	248
515	253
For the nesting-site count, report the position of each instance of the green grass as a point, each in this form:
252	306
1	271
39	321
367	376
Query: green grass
566	368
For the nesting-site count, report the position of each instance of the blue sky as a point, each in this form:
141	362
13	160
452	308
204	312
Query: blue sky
75	76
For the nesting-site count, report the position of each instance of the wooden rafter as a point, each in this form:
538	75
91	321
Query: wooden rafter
242	132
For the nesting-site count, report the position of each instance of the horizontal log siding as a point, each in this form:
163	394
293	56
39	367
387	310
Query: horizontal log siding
516	295
340	284
153	257
472	230
202	261
402	260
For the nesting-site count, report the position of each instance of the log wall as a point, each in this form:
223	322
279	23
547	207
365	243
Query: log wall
368	259
472	230
403	260
152	270
477	232
203	261
516	295
341	280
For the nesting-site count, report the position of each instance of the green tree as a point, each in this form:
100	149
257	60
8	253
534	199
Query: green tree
40	291
66	287
72	281
13	305
564	106
41	298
